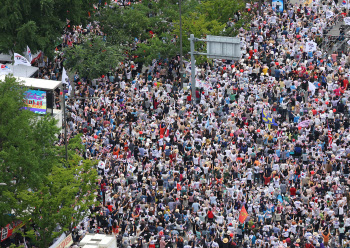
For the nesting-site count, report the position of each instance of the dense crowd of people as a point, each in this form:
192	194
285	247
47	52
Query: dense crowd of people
258	157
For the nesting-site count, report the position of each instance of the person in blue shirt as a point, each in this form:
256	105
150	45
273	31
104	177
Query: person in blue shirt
293	87
277	73
296	119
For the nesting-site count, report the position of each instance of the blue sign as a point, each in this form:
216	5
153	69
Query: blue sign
278	5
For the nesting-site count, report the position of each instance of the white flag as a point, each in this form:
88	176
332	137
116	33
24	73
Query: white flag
312	88
70	89
4	69
329	14
20	60
65	79
29	53
347	20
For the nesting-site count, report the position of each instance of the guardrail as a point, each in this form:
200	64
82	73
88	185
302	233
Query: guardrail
331	42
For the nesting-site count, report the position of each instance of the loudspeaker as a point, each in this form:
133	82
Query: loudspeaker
50	99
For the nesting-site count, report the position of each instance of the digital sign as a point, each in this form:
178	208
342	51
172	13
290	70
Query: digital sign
35	101
278	5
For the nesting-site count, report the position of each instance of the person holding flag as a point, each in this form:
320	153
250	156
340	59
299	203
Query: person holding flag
268	119
243	215
330	138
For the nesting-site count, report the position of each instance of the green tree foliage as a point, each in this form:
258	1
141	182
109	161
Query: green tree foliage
122	26
220	10
38	23
43	190
63	201
93	57
26	145
156	48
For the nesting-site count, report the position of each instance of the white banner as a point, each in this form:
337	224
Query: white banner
310	46
347	20
20	60
329	14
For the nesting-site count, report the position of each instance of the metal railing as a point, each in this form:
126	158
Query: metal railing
332	43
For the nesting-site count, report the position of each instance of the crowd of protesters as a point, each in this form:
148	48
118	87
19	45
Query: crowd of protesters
258	157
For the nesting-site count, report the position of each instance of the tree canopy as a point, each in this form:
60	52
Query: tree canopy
93	57
26	145
38	23
42	189
156	24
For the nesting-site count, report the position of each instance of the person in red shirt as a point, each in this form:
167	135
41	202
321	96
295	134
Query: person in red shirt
115	228
161	130
109	206
267	180
210	215
189	98
198	96
293	191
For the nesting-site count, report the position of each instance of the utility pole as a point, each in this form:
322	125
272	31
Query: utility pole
215	49
64	123
259	8
65	119
181	71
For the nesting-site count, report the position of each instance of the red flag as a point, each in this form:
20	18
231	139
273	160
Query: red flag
330	138
178	187
39	56
243	215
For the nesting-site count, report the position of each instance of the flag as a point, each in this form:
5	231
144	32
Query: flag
131	168
207	124
29	53
167	132
70	89
36	58
268	119
20	60
65	79
243	215
312	88
330	139
4	69
178	187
